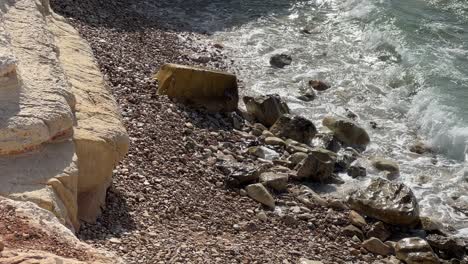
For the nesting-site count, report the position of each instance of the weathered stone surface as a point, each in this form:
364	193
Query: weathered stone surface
347	131
356	219
100	138
294	127
419	148
48	242
263	152
318	166
276	181
356	171
318	85
415	250
374	245
52	92
35	101
308	261
274	141
378	230
297	157
213	90
390	202
259	193
448	247
267	108
386	165
280	60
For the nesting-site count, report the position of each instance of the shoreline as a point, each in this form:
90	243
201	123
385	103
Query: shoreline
169	202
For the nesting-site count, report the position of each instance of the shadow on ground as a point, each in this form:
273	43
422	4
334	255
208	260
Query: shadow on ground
200	16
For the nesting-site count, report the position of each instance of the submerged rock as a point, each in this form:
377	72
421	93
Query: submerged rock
214	90
307	96
266	109
415	250
382	164
419	148
390	202
294	127
280	60
347	131
318	85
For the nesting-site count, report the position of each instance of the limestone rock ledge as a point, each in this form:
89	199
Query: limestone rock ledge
61	133
43	239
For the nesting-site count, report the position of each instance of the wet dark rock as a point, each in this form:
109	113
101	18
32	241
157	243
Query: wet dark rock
378	230
280	60
344	160
351	230
356	171
318	85
415	250
318	166
391	202
267	108
307	96
294	127
420	148
347	132
447	247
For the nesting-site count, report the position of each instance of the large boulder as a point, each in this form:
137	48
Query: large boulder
214	90
391	202
414	250
347	131
266	109
61	134
318	166
294	127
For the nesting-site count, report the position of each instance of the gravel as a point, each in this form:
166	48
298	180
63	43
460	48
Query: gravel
168	202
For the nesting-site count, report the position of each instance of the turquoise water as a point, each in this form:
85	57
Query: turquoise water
400	63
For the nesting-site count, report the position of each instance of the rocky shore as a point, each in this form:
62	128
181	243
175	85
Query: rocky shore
236	187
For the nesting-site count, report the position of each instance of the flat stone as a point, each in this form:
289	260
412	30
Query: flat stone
374	245
276	181
379	230
356	219
274	141
259	193
351	231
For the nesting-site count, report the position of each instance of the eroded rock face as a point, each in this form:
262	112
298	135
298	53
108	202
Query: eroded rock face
214	90
266	109
390	202
415	250
48	241
294	127
60	128
347	131
318	166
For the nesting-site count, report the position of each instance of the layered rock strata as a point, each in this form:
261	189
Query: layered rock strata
60	129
